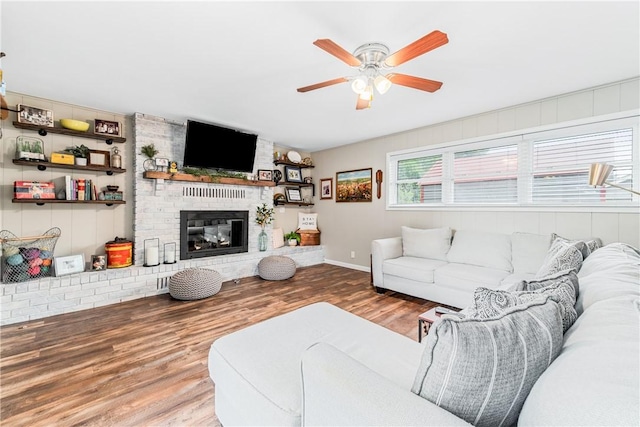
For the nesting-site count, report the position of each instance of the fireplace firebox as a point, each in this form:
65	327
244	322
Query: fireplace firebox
213	233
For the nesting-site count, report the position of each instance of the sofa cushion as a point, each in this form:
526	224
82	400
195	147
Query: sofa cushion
488	303
586	246
569	277
483	370
418	269
528	251
468	277
426	243
483	249
562	256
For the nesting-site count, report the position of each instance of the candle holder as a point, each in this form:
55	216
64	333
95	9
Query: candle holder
170	253
151	252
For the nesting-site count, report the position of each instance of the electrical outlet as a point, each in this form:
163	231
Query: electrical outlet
353	254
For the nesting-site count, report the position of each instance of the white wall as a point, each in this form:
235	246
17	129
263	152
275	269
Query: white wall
351	226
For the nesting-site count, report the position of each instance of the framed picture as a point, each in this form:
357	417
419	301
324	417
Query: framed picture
326	188
98	158
68	264
35	115
106	127
354	186
265	175
293	195
292	174
98	262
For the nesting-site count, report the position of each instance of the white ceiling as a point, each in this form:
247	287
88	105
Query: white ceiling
238	64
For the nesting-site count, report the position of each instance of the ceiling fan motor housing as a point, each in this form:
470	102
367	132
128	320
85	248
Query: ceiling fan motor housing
371	55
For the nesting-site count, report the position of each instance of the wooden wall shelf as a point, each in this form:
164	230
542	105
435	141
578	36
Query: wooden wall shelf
84	202
43	165
43	130
193	178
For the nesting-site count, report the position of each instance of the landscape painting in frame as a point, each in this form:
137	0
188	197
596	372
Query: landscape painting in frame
354	186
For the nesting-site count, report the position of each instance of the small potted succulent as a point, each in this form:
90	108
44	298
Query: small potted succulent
293	238
80	152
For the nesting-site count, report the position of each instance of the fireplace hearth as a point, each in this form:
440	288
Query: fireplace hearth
213	233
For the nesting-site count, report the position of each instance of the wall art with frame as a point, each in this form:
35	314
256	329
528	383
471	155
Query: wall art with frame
293	194
265	175
292	174
354	186
99	158
107	127
326	188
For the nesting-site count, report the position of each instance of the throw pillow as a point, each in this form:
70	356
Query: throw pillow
483	370
587	246
277	237
569	277
489	303
562	256
307	221
431	243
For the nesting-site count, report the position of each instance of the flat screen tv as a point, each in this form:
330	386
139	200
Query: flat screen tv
215	147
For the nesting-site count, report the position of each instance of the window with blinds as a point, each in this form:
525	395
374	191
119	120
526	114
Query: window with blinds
545	168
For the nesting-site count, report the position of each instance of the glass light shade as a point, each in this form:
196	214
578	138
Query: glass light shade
598	173
367	94
359	85
383	84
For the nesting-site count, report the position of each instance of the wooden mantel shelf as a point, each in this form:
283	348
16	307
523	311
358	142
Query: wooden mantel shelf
194	178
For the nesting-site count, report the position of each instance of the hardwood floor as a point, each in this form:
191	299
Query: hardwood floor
144	362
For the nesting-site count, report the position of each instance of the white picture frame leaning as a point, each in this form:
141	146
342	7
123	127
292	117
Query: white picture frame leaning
68	265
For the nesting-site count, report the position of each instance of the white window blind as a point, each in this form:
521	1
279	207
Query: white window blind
487	175
561	167
419	180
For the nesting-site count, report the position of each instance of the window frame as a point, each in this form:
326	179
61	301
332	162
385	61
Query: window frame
524	138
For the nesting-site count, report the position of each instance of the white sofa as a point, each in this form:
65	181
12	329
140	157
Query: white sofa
445	267
320	365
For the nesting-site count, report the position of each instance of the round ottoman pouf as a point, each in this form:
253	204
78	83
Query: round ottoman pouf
195	283
276	267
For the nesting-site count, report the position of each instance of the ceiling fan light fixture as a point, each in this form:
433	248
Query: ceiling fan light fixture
382	84
359	84
367	94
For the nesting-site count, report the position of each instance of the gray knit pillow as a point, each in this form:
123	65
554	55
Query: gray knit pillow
489	303
569	277
483	370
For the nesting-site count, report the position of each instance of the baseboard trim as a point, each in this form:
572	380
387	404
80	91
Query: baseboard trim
347	265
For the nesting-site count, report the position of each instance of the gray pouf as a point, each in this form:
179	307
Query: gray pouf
276	267
195	283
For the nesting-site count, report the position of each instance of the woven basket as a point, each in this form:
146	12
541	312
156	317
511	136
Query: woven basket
27	258
195	283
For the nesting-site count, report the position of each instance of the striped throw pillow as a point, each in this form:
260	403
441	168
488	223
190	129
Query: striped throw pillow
483	369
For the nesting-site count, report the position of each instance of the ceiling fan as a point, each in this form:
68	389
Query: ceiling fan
372	59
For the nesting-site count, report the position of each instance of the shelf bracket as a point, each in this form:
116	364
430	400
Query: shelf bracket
109	173
109	141
42	167
42	132
40	204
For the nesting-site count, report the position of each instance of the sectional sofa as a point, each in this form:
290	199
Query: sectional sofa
321	365
444	266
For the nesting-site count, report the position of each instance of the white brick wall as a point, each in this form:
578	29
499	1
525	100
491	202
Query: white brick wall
157	206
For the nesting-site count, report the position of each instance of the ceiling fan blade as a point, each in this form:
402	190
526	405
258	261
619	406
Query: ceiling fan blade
362	103
423	45
323	84
337	51
414	82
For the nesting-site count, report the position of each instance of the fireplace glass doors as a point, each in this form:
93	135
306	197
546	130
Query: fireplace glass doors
212	233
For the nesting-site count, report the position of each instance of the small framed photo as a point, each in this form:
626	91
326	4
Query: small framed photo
293	195
98	158
35	116
326	188
68	264
292	174
98	262
106	127
265	175
162	162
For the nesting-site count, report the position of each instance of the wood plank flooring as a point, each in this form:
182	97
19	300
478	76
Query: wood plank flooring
144	362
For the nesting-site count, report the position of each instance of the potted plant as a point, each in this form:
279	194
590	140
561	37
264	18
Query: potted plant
293	238
150	151
80	152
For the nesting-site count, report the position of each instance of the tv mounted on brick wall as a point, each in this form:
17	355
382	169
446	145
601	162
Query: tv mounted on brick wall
215	147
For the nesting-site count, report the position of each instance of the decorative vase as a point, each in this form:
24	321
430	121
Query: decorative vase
262	241
293	242
81	161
